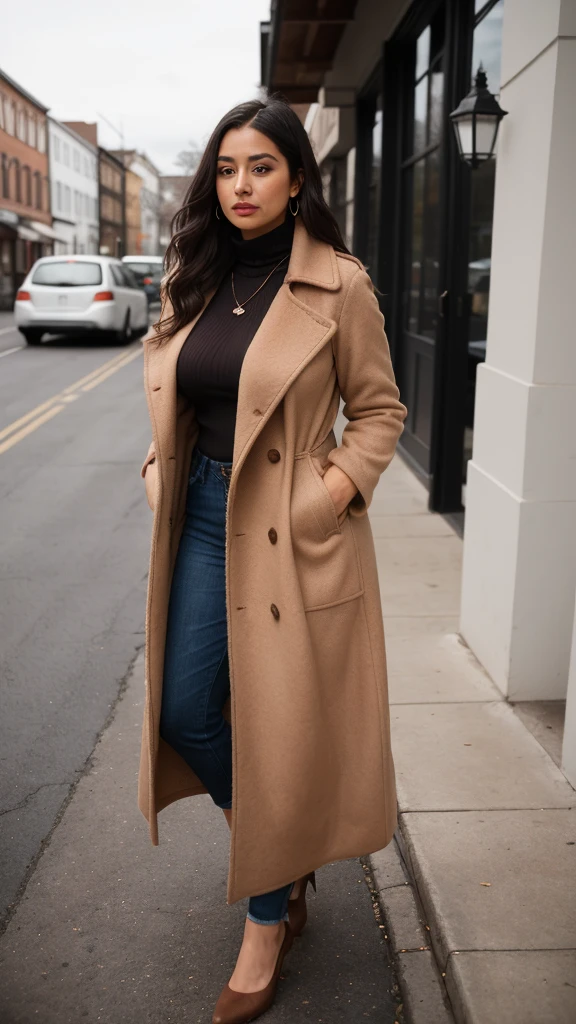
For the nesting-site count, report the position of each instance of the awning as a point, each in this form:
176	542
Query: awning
46	231
28	234
299	43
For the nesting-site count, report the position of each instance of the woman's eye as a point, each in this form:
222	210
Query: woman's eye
262	167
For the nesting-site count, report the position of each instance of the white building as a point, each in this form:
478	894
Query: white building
74	189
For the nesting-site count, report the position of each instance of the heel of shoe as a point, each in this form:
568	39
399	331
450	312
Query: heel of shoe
312	879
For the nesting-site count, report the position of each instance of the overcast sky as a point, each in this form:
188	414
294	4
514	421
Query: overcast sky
163	71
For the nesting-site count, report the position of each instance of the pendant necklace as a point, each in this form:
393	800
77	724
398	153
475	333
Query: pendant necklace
240	306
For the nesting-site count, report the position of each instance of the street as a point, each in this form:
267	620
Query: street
73	554
113	911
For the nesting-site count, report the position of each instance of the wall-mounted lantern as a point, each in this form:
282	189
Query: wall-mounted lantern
476	121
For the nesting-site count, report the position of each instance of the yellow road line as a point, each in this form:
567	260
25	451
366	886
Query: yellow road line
42	413
30	428
59	397
96	373
108	373
24	419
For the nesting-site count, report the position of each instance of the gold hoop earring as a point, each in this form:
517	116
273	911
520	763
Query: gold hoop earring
294	213
217	217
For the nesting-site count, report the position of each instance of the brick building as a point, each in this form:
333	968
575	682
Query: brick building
26	231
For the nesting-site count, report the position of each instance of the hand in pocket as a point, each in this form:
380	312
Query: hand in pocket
151	481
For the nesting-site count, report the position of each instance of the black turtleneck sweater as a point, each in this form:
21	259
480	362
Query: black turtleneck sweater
210	360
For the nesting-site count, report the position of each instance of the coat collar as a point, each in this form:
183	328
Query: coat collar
312	261
288	338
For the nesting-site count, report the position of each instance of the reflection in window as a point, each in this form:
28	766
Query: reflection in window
415	268
420	114
374	190
487	49
436	104
429	295
423	52
423	166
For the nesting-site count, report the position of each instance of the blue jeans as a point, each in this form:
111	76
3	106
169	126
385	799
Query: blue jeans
196	672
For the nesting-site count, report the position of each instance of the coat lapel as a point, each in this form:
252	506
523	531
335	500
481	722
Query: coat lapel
289	336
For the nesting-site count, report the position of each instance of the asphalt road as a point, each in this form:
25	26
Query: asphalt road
100	924
74	538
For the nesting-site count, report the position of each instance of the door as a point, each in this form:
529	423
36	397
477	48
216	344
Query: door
421	189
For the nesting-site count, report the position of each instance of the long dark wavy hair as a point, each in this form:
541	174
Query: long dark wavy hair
200	251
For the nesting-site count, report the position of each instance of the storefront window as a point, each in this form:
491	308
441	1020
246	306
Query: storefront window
486	50
423	164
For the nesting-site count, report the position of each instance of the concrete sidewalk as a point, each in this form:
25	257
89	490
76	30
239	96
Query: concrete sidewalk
112	930
487	834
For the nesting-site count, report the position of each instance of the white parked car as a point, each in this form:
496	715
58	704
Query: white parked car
80	294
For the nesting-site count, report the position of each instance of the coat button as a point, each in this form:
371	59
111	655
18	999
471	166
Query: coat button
274	455
272	535
274	611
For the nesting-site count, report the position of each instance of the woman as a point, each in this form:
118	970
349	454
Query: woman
265	660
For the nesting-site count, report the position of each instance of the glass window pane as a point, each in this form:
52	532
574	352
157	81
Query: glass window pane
431	251
436	105
377	143
423	52
485	128
415	247
420	114
487	48
374	190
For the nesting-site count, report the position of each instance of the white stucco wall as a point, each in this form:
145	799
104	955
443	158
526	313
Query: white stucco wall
73	166
519	575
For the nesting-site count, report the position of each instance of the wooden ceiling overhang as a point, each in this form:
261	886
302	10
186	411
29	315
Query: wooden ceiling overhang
303	38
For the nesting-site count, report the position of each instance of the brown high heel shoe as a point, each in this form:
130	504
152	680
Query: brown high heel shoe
297	911
238	1007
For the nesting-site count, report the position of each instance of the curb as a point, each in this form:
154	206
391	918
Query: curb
424	995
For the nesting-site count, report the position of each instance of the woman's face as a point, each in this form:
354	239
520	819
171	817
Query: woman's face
252	173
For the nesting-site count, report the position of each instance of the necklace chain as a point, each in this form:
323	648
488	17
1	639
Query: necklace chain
240	305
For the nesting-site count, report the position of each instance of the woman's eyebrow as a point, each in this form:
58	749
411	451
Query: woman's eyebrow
255	156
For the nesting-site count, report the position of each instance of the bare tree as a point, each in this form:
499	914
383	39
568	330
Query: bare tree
188	159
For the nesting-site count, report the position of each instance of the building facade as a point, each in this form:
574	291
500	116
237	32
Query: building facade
112	177
74	189
147	240
474	271
173	189
111	192
26	231
134	188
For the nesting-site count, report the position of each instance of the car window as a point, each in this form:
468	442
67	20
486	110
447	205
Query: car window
67	273
117	275
129	277
142	270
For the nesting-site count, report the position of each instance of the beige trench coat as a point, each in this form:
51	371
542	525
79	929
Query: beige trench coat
313	776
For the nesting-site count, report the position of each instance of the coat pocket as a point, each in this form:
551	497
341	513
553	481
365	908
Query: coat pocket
323	543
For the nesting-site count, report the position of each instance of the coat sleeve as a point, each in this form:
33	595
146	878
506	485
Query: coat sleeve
367	384
166	311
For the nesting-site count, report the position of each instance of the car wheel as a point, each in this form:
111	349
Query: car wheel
125	335
32	337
